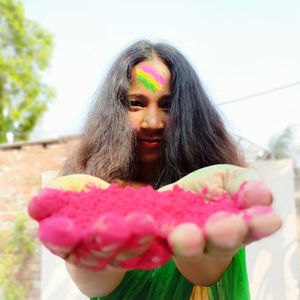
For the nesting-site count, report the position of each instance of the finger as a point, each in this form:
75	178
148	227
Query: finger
262	222
141	224
132	253
93	263
87	263
114	268
104	239
44	204
103	242
60	251
59	235
143	228
225	234
156	255
109	232
254	192
187	240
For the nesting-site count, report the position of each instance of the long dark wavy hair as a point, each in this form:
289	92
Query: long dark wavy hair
195	136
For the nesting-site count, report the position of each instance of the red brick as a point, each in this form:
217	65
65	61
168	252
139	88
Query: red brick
20	178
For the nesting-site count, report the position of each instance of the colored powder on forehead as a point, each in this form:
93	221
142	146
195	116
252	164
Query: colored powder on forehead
156	76
150	78
147	84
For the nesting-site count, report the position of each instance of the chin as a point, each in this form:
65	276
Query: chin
149	159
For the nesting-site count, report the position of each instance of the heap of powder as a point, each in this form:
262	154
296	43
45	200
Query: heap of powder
169	207
121	216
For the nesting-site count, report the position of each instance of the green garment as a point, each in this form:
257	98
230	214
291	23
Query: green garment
167	283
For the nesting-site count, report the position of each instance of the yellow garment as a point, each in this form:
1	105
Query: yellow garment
199	293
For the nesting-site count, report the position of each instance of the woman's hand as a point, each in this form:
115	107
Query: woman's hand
224	234
103	246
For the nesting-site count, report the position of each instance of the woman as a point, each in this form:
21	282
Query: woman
153	124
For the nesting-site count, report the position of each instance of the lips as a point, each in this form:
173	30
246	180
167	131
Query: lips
150	143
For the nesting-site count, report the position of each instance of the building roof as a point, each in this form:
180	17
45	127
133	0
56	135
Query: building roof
43	142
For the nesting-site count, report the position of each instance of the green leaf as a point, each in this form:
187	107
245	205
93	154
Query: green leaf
25	52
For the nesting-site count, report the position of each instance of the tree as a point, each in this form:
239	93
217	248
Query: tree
280	145
25	51
284	145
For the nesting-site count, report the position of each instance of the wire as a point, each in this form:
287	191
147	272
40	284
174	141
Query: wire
286	86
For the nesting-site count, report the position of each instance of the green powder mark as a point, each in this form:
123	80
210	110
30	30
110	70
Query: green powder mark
144	114
167	68
145	121
160	126
164	73
147	84
148	59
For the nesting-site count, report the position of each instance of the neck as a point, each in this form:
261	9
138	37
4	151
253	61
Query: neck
146	176
147	173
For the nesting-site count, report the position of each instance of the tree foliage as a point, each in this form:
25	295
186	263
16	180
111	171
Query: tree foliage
281	145
16	245
25	52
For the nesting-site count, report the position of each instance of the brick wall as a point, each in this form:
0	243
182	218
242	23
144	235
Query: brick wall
21	166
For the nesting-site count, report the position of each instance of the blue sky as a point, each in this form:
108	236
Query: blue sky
238	48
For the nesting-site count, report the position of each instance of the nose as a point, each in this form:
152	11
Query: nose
153	119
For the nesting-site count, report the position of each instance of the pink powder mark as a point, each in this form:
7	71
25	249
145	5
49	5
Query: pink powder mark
156	76
99	218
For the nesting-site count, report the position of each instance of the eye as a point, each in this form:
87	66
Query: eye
166	105
136	103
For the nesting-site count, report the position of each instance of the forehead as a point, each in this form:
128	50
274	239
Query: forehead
154	67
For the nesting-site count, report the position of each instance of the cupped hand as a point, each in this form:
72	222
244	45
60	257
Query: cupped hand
110	244
113	242
224	234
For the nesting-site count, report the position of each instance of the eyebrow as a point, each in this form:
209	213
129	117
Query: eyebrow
164	97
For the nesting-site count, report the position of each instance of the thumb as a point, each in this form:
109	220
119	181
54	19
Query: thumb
78	182
247	186
235	176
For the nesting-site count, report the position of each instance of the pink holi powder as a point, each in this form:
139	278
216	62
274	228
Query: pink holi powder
84	208
156	76
100	218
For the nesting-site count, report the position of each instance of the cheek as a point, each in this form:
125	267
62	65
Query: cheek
133	120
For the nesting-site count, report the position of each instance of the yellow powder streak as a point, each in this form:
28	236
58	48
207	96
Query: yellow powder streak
150	78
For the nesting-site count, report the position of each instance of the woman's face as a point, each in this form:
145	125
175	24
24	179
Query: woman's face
149	96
